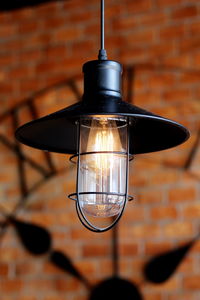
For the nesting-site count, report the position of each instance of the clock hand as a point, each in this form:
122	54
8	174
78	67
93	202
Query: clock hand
64	263
128	83
161	267
193	152
115	251
36	239
73	86
48	158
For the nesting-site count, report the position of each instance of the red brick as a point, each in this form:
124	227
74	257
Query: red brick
28	27
87	267
91	30
187	44
166	3
22	14
145	231
65	285
190	77
123	24
66	35
161	50
150	196
187	266
31	56
6	88
14	285
84	45
177	95
132	55
6	60
166	111
182	296
78	298
138	6
152	296
153	248
133	213
53	22
112	10
177	61
141	37
8	254
80	233
67	218
164	177
148	97
192	211
4	268
196	59
71	6
114	41
80	16
196	245
44	219
49	268
129	249
56	52
161	213
26	297
172	32
20	72
47	66
41	284
185	12
182	194
46	9
192	282
91	250
172	285
178	229
105	266
153	19
21	297
52	298
8	31
161	80
194	28
139	181
54	79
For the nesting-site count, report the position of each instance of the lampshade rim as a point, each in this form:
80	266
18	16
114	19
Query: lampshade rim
133	117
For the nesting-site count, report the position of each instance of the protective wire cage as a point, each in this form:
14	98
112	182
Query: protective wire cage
102	175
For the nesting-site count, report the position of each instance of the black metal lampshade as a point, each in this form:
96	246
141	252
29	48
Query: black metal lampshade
57	132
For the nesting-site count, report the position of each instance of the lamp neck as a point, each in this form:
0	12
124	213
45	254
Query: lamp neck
102	78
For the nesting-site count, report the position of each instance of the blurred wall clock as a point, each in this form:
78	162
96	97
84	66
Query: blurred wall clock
46	166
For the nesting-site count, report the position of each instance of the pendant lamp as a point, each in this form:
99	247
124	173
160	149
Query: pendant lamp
102	133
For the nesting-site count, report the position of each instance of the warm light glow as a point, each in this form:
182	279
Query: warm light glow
103	172
104	137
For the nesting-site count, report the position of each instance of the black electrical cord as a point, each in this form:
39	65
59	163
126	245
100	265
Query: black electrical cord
102	51
102	23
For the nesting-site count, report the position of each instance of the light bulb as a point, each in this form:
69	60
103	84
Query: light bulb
102	178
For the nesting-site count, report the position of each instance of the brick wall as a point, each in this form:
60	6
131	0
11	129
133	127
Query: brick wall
46	45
